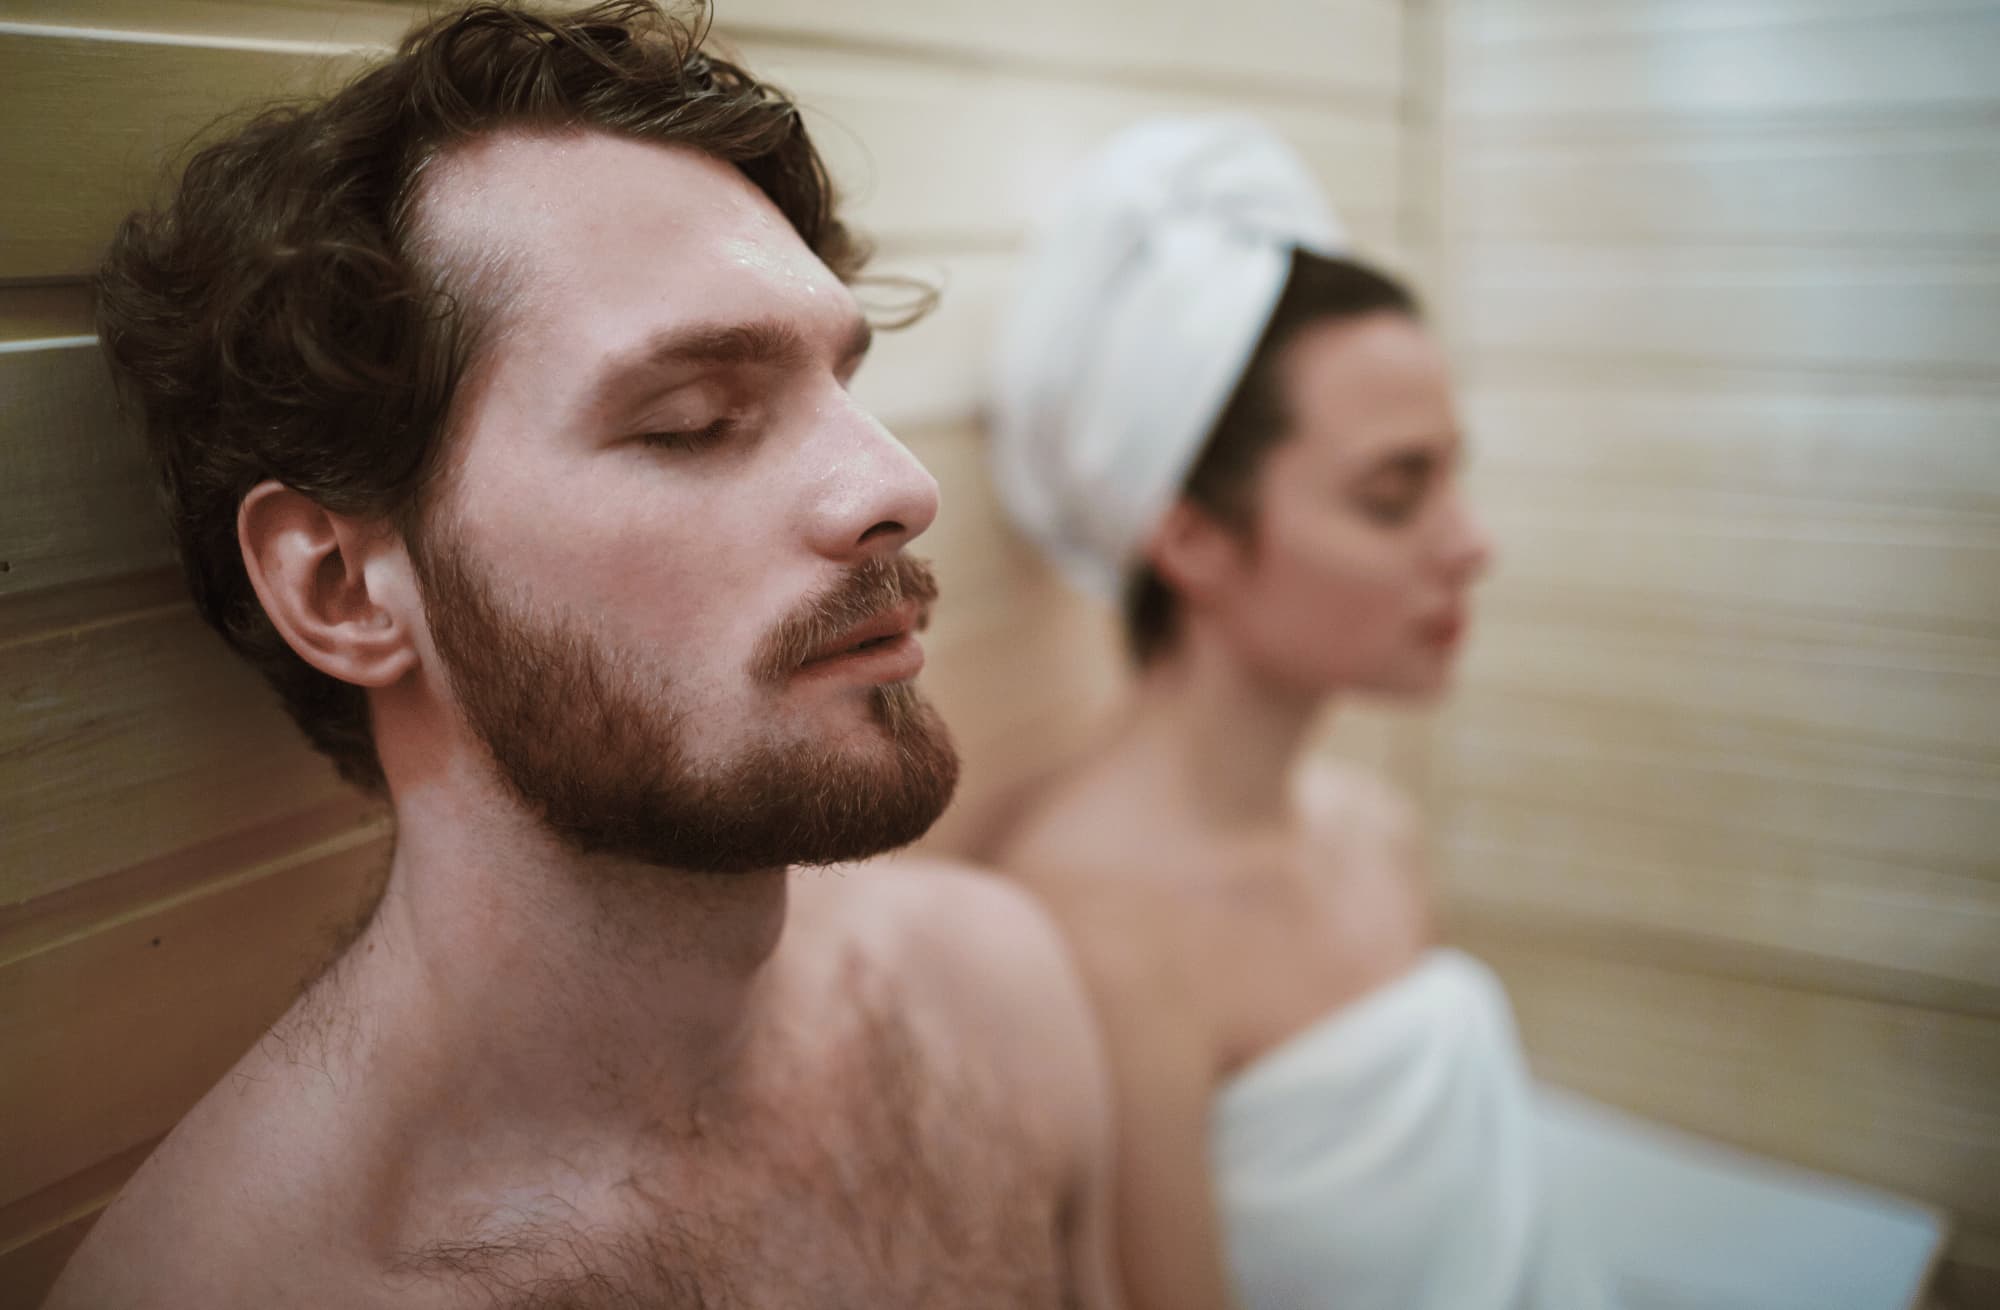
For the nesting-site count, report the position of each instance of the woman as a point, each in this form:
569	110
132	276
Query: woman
1204	408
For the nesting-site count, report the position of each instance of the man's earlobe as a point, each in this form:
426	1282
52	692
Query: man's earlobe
311	569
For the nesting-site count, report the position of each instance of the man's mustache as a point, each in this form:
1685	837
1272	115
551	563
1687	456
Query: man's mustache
863	592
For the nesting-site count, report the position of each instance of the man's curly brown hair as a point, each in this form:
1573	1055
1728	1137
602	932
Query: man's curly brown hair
276	318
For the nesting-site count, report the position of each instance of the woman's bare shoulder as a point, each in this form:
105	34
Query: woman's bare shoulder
1343	801
1361	838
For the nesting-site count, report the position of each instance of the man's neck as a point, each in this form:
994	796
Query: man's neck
547	987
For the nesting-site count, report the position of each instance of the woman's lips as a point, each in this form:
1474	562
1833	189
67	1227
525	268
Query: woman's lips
1446	631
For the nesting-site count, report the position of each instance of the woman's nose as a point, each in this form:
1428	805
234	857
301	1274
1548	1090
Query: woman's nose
1469	547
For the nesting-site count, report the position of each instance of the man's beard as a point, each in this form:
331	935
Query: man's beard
590	740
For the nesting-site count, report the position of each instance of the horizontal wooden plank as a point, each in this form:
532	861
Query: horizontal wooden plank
929	155
78	502
1896	1096
31	315
1918	181
1914	697
1689	765
134	736
1778	435
1765	308
1792	63
88	126
933	373
38	1234
1511	22
1712	898
1970	1277
31	616
932	155
28	1271
1884	564
157	1008
27	928
1348	50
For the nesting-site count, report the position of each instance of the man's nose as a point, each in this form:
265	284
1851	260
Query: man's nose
874	497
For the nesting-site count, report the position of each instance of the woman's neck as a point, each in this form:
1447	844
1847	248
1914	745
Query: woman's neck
1225	739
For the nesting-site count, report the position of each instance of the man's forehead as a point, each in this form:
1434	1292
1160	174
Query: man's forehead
590	208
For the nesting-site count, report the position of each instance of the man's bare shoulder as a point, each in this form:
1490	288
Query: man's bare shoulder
196	1224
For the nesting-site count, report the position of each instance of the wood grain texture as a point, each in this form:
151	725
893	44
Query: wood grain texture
133	735
1897	1096
1589	64
932	155
1339	52
42	1231
28	1270
30	315
89	125
155	1009
1802	437
1344	52
1895	564
1707	893
1885	312
1695	766
967	156
1921	180
1722	786
78	500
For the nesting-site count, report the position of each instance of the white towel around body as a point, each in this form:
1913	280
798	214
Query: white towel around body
1397	1154
1388	1158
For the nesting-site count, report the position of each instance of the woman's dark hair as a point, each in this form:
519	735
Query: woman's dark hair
276	316
1223	480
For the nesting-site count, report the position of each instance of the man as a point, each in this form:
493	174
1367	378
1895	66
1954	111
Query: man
501	400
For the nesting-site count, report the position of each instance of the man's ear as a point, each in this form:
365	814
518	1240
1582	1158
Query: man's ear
338	589
1193	552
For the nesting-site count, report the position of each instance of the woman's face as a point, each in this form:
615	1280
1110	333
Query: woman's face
1363	553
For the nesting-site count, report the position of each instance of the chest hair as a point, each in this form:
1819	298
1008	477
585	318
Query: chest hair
892	1171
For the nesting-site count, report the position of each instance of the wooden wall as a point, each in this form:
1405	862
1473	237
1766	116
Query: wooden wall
171	858
1721	794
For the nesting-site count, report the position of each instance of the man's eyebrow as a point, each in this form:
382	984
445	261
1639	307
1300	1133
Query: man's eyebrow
768	342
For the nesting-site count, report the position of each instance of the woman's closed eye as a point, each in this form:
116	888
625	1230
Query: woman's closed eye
1395	493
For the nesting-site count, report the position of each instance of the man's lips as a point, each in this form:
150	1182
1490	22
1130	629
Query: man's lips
884	629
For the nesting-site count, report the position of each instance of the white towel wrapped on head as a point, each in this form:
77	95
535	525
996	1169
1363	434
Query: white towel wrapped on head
1145	291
